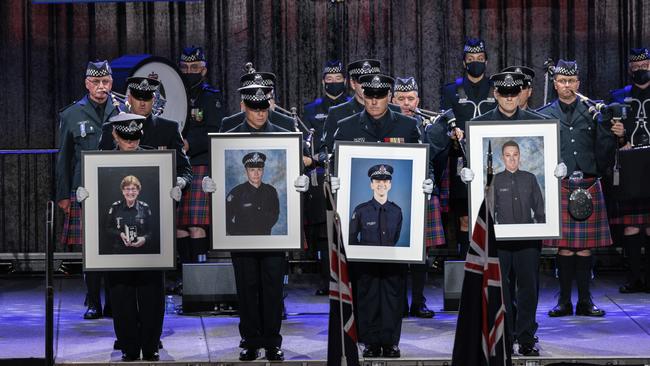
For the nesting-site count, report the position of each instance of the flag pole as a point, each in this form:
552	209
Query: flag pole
336	230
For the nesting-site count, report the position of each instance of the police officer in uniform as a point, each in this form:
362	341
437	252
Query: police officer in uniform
80	128
205	114
527	90
379	323
253	207
157	132
587	147
468	97
635	214
315	113
278	119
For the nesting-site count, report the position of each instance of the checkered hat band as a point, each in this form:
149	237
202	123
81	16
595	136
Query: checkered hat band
473	49
253	160
368	70
97	72
332	70
190	58
376	85
255	97
508	84
641	57
130	129
264	82
142	87
566	72
405	88
381	172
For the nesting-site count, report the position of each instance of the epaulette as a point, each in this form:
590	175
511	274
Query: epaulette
144	204
116	203
209	88
314	102
68	106
543	107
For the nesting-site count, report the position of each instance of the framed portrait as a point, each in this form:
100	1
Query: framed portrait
524	155
380	202
128	218
255	206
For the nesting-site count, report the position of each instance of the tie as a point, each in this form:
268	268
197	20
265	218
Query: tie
382	226
516	205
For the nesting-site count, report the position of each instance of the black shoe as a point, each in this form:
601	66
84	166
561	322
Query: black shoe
589	309
321	292
151	356
371	351
561	310
248	354
274	354
92	313
631	288
127	357
284	312
391	351
422	311
528	350
116	345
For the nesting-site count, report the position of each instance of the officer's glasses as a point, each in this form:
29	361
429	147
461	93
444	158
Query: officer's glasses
193	68
566	81
639	65
98	82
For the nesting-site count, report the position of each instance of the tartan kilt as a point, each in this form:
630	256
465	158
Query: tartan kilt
444	190
194	208
590	233
434	234
632	213
71	234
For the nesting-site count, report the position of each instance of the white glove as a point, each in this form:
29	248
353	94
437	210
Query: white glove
466	175
175	193
180	182
427	186
81	194
301	184
208	185
335	184
560	171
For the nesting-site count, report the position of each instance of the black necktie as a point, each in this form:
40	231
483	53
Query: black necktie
382	225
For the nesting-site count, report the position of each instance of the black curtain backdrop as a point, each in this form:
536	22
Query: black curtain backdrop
45	49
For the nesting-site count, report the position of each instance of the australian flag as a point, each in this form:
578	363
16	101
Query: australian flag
341	319
480	331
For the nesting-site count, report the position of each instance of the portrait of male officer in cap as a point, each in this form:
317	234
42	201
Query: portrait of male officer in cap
253	207
80	126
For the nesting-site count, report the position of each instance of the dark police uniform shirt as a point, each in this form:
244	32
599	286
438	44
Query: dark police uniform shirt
375	224
120	216
80	130
435	135
205	113
158	133
250	210
278	119
391	127
518	198
315	114
585	144
635	92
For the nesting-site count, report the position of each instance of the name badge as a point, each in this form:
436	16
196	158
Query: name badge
248	204
371	223
359	139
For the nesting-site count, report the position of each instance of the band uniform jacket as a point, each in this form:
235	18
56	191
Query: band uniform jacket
277	118
632	91
375	224
137	221
205	113
335	115
315	114
585	144
518	198
80	130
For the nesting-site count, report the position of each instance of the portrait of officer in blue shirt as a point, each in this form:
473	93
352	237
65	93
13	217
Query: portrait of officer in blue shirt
378	221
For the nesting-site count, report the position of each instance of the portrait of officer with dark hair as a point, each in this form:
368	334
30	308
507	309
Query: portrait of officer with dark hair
252	207
518	196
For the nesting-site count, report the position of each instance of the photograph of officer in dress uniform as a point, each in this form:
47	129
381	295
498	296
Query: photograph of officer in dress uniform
389	206
518	196
256	203
129	210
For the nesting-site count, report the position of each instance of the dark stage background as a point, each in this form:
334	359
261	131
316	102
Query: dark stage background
45	49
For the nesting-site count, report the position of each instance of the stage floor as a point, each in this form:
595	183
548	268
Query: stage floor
623	335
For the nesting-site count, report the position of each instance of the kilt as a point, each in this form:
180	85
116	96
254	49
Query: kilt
632	213
590	233
194	208
71	234
444	190
434	234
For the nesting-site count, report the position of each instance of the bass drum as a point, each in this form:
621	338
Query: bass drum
171	102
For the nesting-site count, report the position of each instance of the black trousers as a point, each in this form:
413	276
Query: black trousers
259	279
93	287
380	294
418	277
520	272
138	300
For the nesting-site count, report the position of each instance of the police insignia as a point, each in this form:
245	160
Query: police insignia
359	139
229	198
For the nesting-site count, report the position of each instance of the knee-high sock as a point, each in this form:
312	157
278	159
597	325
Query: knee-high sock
184	250
632	245
565	273
583	276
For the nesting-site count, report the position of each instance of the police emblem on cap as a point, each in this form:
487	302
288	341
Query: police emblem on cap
260	93
509	80
366	67
258	79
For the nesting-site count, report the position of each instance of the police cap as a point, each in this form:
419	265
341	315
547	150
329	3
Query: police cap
381	172
142	88
127	125
376	85
254	159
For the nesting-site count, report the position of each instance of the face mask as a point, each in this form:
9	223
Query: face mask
334	88
475	68
641	76
191	80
